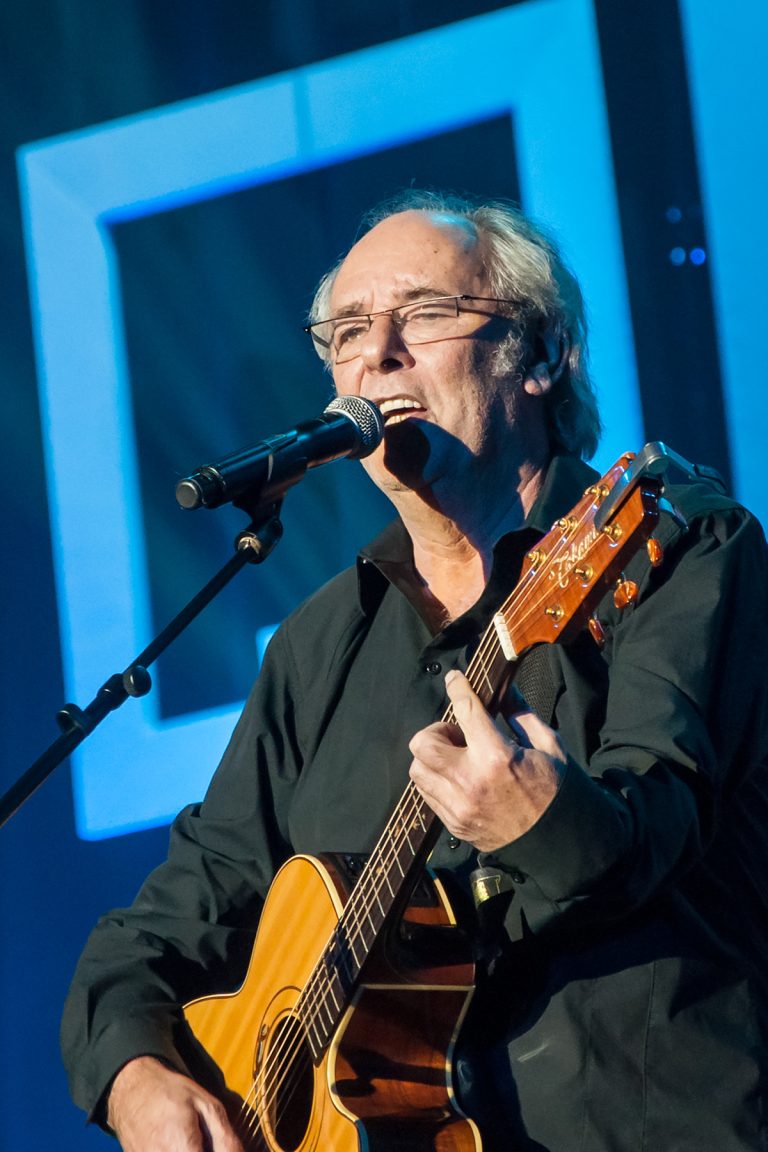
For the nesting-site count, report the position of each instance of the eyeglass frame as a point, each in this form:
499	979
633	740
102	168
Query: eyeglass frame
370	316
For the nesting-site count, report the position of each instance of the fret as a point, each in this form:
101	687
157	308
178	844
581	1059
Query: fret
316	1039
363	929
337	970
332	992
329	1021
335	965
371	905
406	855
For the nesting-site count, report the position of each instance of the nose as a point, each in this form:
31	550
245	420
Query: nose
382	348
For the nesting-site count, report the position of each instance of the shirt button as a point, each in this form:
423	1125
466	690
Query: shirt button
517	877
433	668
453	842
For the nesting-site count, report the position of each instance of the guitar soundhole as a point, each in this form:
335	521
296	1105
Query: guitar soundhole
288	1082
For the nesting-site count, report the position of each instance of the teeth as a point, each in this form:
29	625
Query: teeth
397	405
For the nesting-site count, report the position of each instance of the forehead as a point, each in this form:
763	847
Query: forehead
407	253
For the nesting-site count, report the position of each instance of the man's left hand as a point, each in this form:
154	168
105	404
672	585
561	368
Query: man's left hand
486	788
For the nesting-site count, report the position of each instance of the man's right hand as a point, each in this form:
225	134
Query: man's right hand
153	1107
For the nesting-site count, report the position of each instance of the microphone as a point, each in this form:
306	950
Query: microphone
349	426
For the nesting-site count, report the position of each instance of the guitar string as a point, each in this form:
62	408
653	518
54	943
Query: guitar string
404	823
419	804
313	998
284	1056
490	634
295	1072
411	804
405	819
481	663
588	505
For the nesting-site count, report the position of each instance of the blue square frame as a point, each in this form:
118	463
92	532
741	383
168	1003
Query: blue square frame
138	769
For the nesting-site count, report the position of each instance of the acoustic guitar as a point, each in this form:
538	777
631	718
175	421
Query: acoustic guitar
341	1036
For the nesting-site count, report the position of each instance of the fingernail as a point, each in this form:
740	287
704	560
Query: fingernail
450	676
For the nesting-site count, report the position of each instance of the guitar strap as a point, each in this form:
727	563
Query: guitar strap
537	683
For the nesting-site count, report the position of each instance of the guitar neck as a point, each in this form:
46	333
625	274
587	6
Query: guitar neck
401	852
562	579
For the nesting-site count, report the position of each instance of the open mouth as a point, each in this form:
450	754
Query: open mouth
399	409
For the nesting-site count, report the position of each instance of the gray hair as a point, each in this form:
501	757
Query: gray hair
523	264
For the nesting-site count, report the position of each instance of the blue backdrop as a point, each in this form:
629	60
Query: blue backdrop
173	185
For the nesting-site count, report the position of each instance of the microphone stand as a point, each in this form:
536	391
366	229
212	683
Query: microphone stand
252	546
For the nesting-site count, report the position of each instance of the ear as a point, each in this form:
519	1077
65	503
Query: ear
537	380
550	353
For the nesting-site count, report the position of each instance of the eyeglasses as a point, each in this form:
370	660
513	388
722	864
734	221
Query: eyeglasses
341	338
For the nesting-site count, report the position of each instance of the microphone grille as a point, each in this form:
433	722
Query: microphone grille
367	419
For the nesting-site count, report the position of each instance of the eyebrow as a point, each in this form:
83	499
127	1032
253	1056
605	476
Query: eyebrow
408	296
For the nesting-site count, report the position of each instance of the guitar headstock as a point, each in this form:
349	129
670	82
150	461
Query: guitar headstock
570	569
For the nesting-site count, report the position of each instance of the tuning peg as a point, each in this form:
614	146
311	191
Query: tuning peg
655	552
596	631
625	594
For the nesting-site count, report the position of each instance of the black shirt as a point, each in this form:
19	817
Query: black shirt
627	1008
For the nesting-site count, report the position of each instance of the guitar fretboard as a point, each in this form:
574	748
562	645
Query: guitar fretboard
405	843
407	839
564	577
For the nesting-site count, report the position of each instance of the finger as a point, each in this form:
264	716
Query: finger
534	733
436	741
217	1129
441	787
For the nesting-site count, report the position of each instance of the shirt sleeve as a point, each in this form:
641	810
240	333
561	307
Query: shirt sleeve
684	727
191	927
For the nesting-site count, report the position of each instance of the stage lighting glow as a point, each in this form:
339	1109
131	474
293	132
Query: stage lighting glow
138	769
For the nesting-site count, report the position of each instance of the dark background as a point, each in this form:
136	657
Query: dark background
69	64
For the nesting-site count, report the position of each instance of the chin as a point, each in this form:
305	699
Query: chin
406	447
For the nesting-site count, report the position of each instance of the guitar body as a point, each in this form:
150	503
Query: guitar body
341	1037
383	1082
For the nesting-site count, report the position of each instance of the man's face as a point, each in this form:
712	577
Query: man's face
446	412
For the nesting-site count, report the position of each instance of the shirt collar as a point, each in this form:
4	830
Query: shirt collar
383	560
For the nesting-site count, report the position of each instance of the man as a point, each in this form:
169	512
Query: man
625	1003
